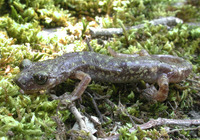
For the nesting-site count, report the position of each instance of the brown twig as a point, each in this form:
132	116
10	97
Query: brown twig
187	129
95	107
61	130
137	119
195	88
192	80
193	24
87	40
80	120
157	122
123	109
95	122
168	21
99	97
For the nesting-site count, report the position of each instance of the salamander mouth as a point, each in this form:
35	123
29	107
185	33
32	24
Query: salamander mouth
27	91
18	83
30	91
22	89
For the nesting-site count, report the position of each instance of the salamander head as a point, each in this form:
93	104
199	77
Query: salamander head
36	76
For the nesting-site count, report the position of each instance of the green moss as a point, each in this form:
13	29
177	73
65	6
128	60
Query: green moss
142	134
135	11
44	11
1	4
21	36
26	116
157	39
189	13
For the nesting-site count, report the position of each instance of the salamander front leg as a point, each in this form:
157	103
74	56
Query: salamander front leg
160	95
78	91
121	55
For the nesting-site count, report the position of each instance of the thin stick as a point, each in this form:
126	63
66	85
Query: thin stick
187	129
61	130
168	21
95	106
157	122
80	120
191	80
87	40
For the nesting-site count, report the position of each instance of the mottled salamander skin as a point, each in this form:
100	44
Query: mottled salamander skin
47	74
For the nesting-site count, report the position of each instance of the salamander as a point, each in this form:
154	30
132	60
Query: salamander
117	68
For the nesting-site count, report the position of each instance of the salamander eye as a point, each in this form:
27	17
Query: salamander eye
40	78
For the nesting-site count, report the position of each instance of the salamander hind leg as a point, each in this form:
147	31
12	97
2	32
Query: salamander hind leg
151	93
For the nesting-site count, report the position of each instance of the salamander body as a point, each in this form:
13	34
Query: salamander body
161	69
